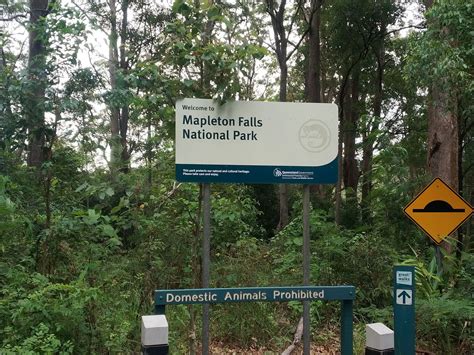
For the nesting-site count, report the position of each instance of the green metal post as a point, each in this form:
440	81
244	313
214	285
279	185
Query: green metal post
404	310
160	309
346	327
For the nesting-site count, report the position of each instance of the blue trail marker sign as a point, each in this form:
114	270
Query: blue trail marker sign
256	142
404	309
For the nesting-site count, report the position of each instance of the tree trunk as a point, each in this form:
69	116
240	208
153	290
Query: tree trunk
443	135
443	140
206	35
372	127
282	188
338	197
280	34
6	114
281	46
351	118
313	71
35	110
115	139
125	110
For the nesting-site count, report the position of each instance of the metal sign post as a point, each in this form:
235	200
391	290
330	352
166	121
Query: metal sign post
306	270
206	250
404	309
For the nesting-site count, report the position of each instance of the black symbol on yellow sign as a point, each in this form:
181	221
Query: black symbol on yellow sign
438	210
439	206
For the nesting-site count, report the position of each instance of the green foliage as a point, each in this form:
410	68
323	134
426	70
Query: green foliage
82	250
443	54
336	254
427	277
41	341
234	215
37	312
6	206
447	323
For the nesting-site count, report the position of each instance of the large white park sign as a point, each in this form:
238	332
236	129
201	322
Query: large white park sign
256	142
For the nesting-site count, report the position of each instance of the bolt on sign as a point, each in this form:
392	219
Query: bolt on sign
438	210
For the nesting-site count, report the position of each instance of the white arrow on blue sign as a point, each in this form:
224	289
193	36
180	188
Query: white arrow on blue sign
404	297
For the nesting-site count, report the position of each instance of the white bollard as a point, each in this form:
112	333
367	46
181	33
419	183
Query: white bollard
379	339
155	335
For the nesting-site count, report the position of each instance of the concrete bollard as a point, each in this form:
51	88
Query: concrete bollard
155	335
379	339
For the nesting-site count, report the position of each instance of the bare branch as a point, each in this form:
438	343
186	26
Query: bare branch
293	20
420	26
296	339
297	44
14	17
86	14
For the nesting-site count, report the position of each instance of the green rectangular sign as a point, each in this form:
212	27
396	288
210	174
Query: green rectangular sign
254	294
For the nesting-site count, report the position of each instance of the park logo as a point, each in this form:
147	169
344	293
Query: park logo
314	136
277	173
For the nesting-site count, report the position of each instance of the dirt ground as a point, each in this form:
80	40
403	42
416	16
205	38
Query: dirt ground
315	350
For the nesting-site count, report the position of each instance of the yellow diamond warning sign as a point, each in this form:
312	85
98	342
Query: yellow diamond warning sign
438	210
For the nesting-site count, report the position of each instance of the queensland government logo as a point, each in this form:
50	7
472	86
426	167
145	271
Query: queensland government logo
314	136
277	172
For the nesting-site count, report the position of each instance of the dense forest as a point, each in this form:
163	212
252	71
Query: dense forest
92	220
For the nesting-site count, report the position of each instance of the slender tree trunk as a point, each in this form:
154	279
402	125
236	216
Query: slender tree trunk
115	139
342	99
125	110
6	113
351	117
149	157
367	156
280	34
281	45
372	127
313	71
338	197
35	110
206	34
344	106
282	188
461	230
